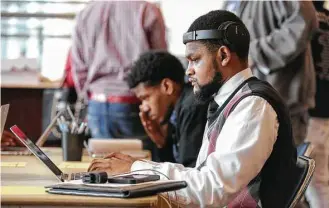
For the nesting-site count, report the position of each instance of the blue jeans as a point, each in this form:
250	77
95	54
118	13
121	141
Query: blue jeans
114	120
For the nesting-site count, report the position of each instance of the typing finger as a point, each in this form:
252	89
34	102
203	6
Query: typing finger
109	155
122	156
94	162
99	166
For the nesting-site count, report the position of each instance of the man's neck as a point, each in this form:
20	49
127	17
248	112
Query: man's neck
178	93
233	69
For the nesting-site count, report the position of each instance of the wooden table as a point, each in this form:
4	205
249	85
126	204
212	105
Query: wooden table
23	185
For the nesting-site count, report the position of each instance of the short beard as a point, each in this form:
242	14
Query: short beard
206	92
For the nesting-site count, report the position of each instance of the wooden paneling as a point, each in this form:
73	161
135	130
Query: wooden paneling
25	109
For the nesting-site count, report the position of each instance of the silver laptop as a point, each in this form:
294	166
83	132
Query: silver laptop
4	112
43	157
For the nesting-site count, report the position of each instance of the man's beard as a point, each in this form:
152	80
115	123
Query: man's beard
205	92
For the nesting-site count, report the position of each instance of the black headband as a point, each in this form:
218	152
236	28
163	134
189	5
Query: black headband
230	32
203	35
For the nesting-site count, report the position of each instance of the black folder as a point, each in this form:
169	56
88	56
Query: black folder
131	191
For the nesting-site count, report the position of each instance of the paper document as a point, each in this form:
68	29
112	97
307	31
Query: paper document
13	164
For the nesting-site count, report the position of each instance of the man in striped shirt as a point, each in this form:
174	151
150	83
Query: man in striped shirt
107	38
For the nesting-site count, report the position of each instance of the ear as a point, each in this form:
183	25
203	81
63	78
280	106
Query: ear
167	86
224	55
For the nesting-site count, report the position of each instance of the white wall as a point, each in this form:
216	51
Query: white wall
179	15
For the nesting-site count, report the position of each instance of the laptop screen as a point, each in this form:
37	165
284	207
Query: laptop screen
37	152
4	112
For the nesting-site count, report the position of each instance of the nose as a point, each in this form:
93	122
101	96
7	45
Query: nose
190	70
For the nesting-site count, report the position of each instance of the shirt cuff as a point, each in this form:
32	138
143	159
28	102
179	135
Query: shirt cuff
148	166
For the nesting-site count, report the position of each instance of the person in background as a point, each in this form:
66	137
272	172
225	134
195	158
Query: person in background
169	112
318	130
247	157
107	38
280	52
68	79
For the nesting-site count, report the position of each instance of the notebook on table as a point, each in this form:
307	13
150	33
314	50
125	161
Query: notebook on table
117	191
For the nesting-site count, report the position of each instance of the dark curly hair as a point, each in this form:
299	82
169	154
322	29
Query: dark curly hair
213	20
153	66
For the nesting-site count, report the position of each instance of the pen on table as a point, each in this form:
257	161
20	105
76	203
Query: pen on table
81	128
62	119
63	126
74	123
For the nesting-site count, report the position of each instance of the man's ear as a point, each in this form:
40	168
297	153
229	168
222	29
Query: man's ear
224	55
167	86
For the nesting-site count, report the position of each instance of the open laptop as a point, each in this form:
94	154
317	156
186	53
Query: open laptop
43	157
22	150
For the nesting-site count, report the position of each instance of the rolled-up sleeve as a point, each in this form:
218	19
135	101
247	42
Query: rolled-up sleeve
243	146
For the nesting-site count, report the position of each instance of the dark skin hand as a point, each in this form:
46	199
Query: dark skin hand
112	164
154	130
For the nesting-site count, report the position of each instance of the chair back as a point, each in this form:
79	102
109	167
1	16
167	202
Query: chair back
305	149
305	170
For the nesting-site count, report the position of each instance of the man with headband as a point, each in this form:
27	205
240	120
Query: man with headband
247	157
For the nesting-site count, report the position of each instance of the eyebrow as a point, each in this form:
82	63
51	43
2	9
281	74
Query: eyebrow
188	56
192	50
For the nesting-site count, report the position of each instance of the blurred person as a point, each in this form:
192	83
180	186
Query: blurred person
247	157
280	52
107	38
68	79
169	112
318	130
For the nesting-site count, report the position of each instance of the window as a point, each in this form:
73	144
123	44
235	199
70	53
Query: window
40	30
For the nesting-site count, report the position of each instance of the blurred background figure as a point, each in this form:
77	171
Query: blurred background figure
318	129
107	38
280	52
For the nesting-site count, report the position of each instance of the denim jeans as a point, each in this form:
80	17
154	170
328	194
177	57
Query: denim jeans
114	120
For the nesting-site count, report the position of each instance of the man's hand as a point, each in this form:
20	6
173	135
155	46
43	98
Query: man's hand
9	140
154	130
115	163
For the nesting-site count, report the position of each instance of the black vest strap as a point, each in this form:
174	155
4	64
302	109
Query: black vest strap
212	114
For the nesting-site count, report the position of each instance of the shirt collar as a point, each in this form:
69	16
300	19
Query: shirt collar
231	84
